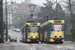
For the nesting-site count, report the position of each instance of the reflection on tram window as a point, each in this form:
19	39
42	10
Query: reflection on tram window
32	29
55	27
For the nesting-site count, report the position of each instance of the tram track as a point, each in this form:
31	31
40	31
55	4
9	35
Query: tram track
12	47
44	46
33	46
51	47
60	46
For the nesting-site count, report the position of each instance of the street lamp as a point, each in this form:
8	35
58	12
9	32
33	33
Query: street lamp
32	8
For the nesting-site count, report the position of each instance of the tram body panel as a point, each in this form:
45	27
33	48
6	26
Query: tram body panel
53	31
31	32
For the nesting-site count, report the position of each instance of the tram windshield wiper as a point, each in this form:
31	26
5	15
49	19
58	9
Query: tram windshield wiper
59	29
35	30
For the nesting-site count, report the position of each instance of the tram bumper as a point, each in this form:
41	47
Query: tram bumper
34	40
58	38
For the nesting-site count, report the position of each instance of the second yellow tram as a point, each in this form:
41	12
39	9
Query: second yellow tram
53	31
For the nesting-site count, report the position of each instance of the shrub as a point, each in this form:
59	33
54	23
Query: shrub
73	32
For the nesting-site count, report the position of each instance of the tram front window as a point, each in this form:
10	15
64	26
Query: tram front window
55	27
32	29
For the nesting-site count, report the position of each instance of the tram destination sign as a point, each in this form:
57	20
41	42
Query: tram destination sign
57	21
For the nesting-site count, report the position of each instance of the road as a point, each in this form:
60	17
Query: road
17	34
67	45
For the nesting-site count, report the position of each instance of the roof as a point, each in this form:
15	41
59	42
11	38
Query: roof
29	24
23	6
51	21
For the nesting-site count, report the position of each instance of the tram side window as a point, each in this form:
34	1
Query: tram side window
62	27
45	28
48	27
57	27
42	29
22	31
28	29
25	28
51	28
45	33
38	29
33	29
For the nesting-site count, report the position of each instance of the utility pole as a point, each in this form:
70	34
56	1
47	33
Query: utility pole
32	10
1	23
47	18
6	20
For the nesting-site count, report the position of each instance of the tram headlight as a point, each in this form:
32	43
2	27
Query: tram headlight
60	36
55	36
33	36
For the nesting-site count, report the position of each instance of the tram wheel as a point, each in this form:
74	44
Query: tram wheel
45	41
23	42
41	41
37	42
61	42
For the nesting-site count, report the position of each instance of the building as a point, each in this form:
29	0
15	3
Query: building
11	9
24	11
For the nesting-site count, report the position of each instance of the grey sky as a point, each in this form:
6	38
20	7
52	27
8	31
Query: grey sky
38	2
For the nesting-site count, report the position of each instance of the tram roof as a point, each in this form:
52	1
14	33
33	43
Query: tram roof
52	21
38	24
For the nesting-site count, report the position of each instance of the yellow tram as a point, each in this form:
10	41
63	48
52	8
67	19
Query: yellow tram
31	32
53	31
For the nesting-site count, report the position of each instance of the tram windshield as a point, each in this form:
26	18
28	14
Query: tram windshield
32	29
56	27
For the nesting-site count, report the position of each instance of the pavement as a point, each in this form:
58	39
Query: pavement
67	45
36	46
